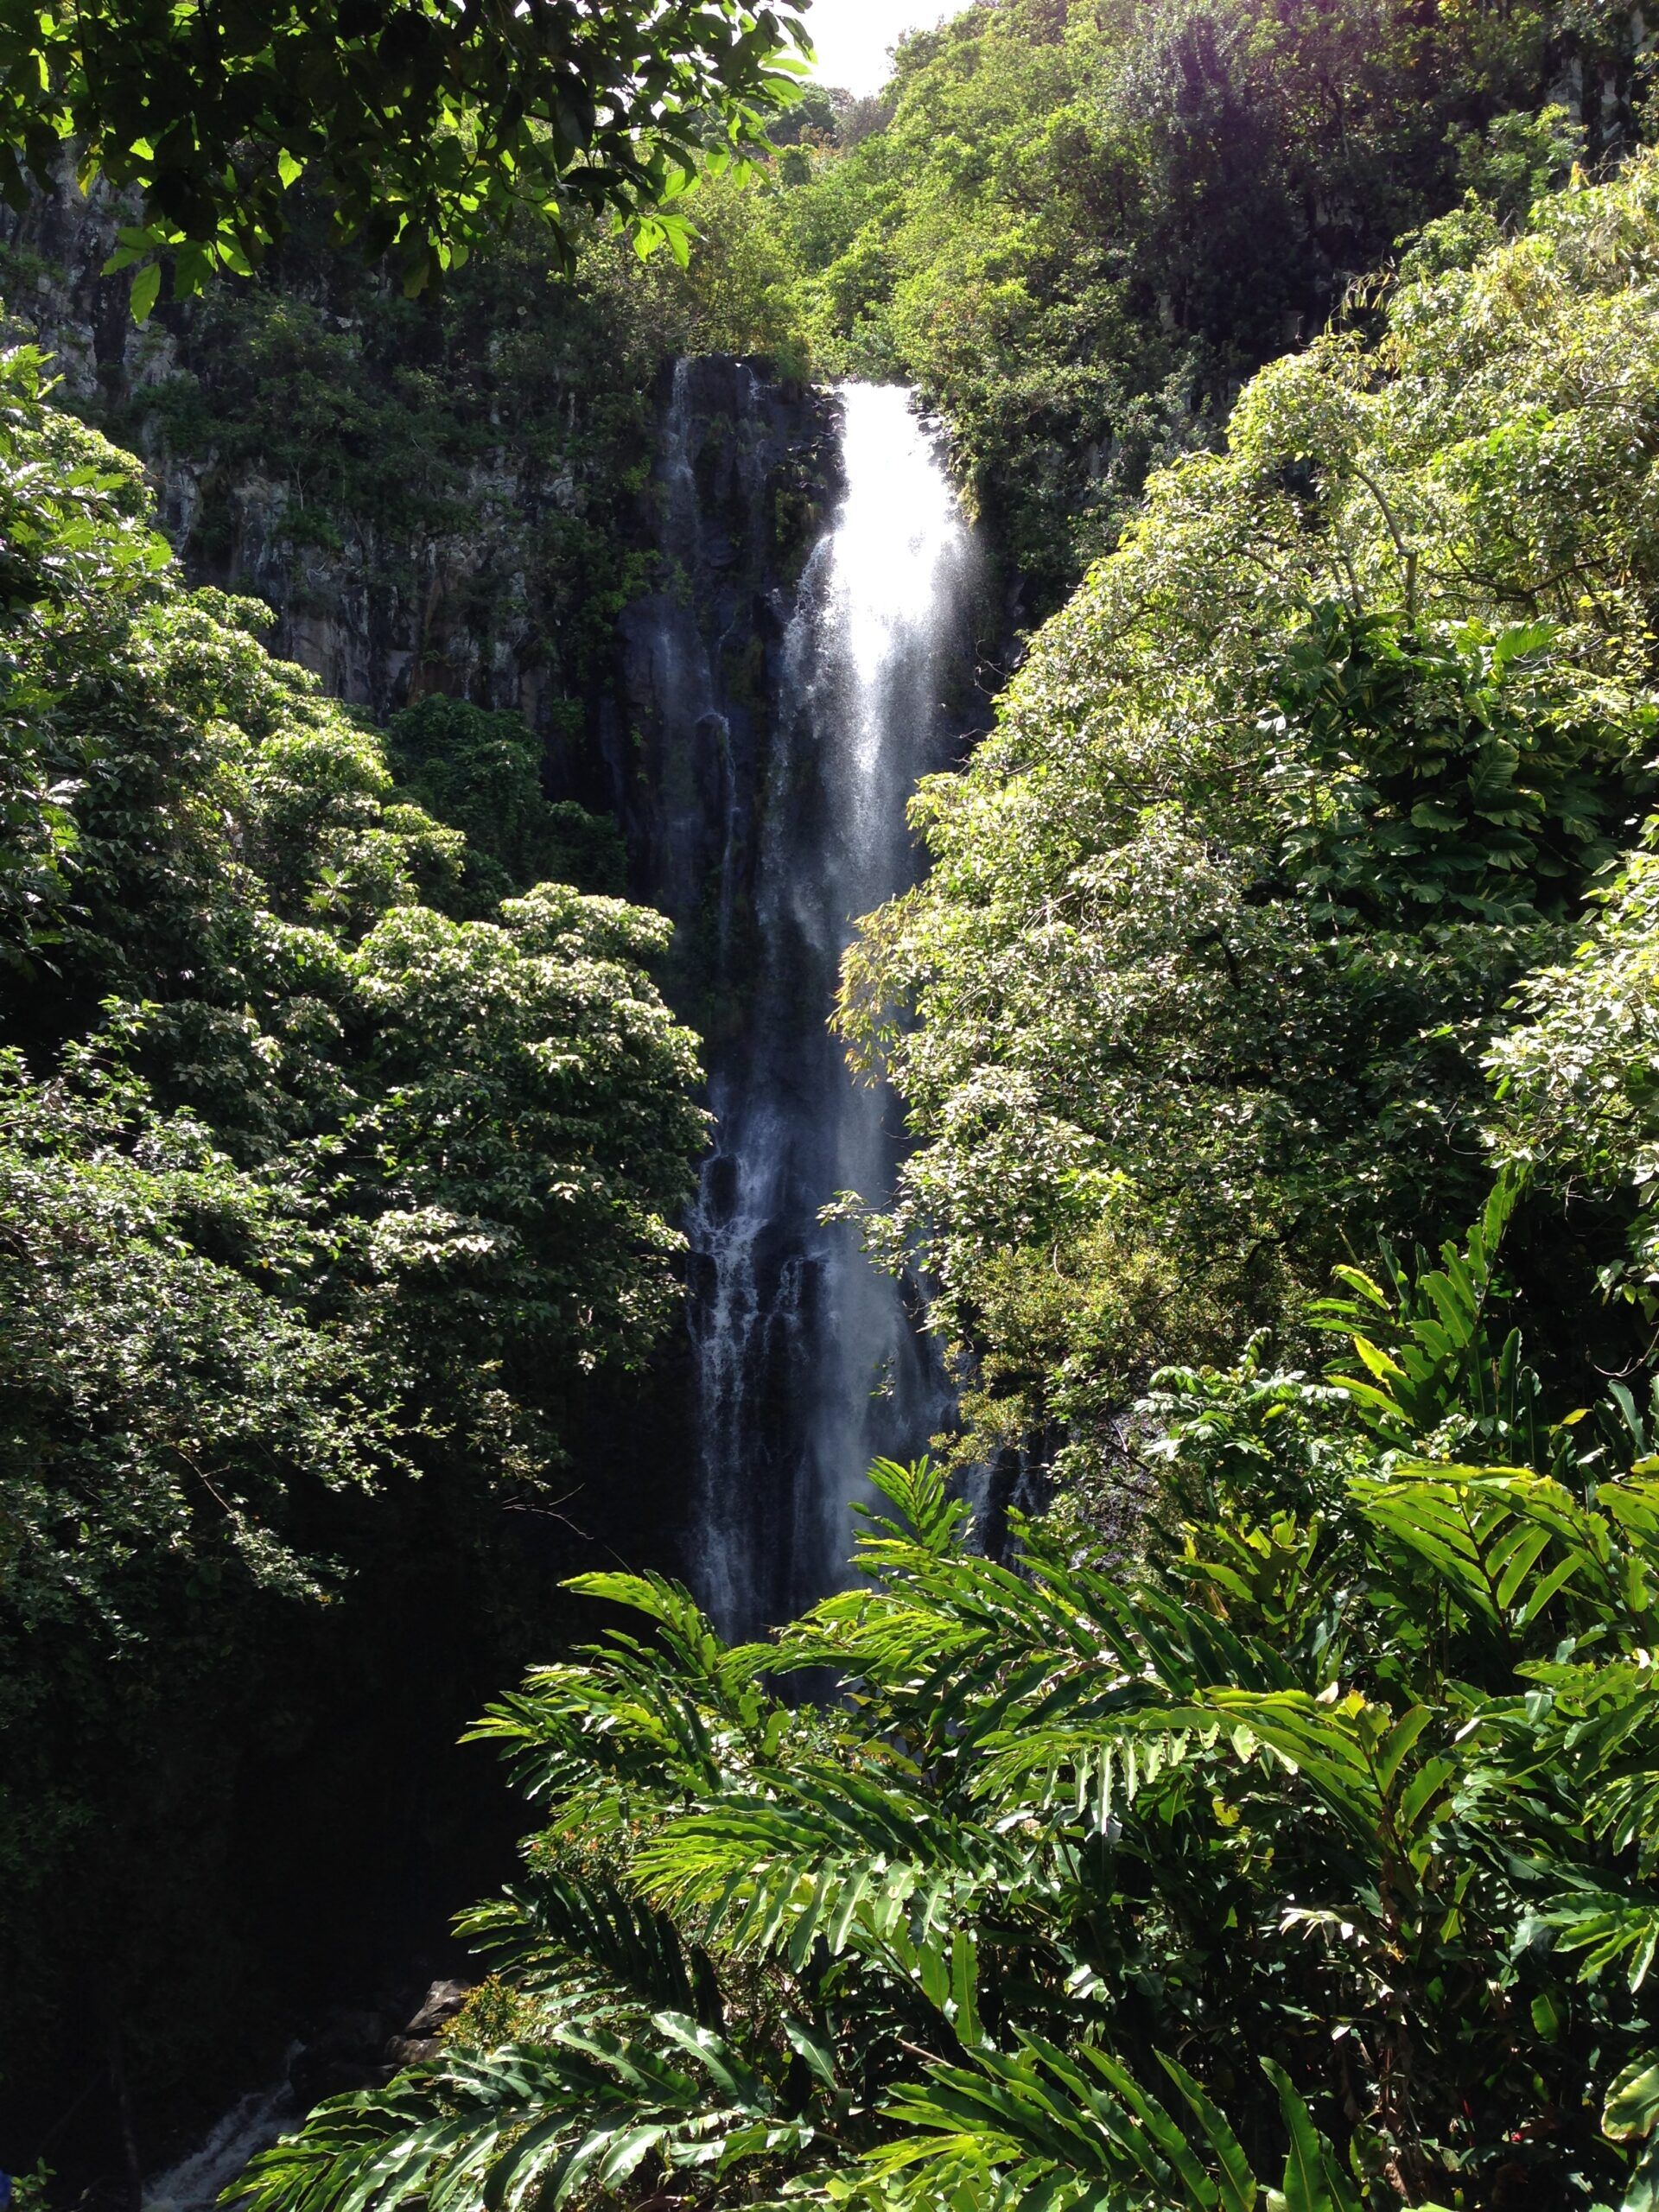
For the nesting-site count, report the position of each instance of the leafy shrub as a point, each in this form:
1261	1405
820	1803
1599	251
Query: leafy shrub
1351	1782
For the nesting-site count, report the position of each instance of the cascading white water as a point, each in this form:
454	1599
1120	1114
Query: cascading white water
196	2184
809	1361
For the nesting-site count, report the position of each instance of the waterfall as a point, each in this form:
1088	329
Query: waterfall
196	2184
810	1362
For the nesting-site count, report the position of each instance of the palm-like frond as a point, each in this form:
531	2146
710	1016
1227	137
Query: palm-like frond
1607	1929
542	2123
667	1717
1043	2126
1353	1783
587	1941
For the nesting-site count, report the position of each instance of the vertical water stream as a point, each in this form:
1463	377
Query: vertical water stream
808	1362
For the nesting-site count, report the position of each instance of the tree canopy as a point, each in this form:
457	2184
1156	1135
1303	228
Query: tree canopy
1080	225
1277	814
335	1160
423	125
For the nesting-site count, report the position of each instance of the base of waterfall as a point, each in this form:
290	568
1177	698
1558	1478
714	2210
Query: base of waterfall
197	2182
350	2051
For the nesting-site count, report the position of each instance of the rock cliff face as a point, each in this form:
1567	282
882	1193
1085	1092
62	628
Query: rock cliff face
450	495
460	497
743	481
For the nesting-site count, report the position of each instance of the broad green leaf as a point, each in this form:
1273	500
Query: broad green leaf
1632	2105
145	290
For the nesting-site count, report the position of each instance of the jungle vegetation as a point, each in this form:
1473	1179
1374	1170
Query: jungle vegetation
1083	225
1289	1839
1305	1861
425	128
338	1154
1267	1817
1227	918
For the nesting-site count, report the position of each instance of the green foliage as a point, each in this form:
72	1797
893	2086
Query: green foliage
424	130
164	1397
319	1205
1350	1778
1437	774
480	773
1575	1076
1090	1306
1277	814
1082	225
29	2190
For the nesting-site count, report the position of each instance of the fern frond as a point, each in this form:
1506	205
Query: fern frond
586	1941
